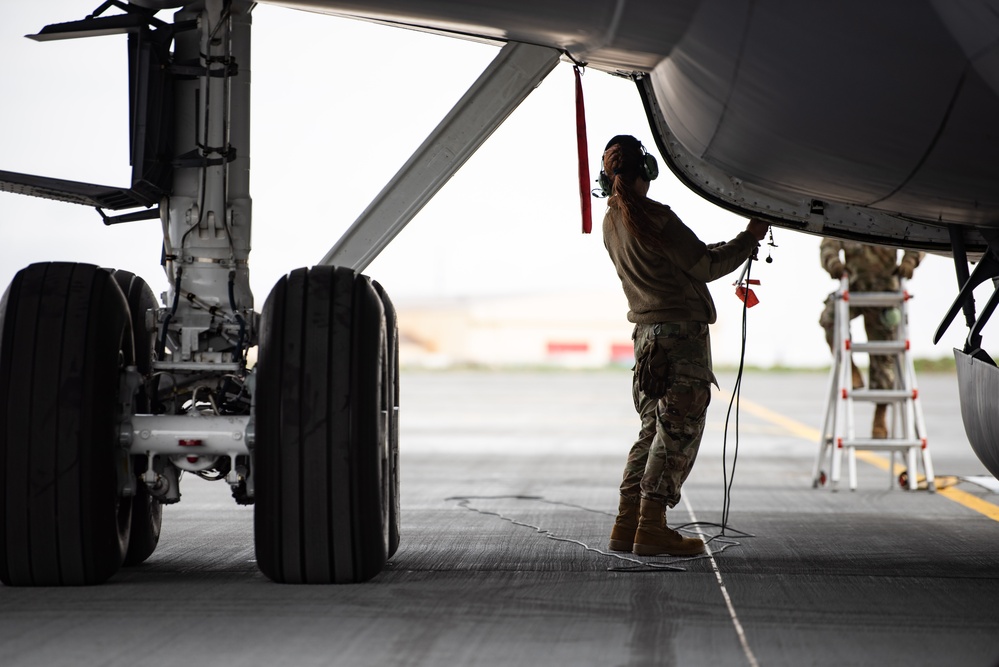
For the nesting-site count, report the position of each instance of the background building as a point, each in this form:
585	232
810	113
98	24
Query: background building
575	330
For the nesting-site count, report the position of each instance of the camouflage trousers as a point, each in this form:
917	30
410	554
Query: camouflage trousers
882	368
670	436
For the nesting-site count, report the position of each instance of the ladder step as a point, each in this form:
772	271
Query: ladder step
880	395
884	299
880	346
897	444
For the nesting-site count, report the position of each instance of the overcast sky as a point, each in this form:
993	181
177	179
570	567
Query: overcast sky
338	107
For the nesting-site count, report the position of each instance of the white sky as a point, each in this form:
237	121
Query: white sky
338	107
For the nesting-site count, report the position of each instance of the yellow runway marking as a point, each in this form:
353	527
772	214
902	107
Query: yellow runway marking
805	432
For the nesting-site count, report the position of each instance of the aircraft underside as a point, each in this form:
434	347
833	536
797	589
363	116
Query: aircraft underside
828	119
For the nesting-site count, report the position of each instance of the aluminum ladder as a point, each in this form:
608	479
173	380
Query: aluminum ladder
906	428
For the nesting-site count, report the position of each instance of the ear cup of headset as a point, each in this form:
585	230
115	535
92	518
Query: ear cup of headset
605	184
650	168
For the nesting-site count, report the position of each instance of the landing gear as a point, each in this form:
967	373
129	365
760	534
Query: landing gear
65	339
147	511
91	444
323	503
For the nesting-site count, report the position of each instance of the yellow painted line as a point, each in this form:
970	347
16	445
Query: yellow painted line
795	427
960	497
971	502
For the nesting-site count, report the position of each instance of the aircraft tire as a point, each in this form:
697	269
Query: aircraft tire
321	443
391	383
65	335
147	511
147	518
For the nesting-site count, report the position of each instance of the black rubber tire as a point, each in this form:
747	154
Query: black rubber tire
147	518
391	382
64	336
320	430
147	512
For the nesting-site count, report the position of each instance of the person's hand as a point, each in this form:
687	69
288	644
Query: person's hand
758	228
837	271
905	268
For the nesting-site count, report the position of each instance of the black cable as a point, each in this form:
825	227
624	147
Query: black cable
734	399
727	480
161	343
237	354
636	565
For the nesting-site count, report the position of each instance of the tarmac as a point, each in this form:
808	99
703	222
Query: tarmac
509	487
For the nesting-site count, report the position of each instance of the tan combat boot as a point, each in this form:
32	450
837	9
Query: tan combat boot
654	538
879	430
623	533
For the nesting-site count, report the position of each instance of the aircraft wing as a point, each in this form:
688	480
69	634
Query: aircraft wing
872	121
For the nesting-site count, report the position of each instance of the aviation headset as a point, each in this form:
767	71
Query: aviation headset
649	170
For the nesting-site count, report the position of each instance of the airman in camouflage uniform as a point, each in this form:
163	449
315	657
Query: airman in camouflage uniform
664	270
870	268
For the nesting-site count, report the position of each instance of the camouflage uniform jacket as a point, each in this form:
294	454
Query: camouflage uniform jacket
668	284
871	267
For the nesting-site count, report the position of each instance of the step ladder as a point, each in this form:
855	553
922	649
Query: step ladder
906	429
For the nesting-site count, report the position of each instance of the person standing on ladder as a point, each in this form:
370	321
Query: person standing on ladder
869	268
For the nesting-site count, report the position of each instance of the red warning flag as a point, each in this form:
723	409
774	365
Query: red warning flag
582	154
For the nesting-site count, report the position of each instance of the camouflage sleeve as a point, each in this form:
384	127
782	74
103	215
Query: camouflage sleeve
829	257
720	259
697	259
910	260
913	256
